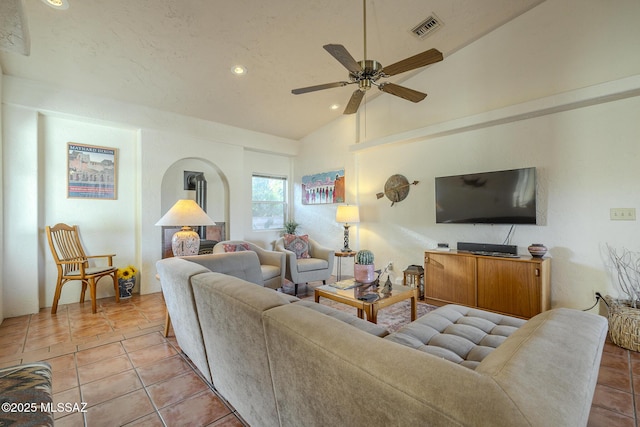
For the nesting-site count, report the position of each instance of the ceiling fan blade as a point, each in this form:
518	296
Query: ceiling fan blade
416	61
318	87
402	92
344	57
354	102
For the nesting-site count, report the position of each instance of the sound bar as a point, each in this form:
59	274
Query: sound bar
487	247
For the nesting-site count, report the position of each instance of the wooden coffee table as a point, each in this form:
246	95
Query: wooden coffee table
350	297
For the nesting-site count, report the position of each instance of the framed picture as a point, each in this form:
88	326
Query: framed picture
323	188
91	172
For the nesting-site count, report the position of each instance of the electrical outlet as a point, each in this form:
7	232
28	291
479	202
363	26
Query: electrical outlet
622	214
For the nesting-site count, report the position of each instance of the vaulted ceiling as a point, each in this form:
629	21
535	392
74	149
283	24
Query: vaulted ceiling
177	55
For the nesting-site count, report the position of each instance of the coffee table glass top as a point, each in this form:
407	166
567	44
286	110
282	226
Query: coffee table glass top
358	292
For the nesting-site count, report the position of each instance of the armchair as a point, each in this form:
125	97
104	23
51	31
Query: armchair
319	265
73	264
272	264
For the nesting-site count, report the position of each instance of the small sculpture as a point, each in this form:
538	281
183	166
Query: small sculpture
386	289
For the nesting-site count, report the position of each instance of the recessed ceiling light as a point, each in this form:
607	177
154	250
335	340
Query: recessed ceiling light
335	106
239	70
57	4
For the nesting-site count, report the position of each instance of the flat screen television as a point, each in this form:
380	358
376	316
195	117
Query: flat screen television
500	197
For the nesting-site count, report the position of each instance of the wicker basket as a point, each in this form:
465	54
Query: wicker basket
624	323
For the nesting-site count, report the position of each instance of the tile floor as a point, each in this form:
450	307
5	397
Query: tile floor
118	362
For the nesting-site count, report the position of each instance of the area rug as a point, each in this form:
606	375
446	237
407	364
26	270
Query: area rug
392	318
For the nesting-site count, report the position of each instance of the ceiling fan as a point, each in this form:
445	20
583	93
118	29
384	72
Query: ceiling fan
367	72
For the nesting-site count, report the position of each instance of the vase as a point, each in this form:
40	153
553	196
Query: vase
125	287
537	250
364	273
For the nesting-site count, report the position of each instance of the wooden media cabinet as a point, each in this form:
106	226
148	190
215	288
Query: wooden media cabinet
519	287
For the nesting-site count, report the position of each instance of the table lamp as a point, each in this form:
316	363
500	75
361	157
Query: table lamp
185	213
347	214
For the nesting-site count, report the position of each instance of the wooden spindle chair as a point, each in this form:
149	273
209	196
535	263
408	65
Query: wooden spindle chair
73	264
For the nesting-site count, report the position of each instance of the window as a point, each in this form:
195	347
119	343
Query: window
268	202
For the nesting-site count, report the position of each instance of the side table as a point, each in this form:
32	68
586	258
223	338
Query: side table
339	267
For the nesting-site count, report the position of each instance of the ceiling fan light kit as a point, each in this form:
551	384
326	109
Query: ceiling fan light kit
57	4
367	72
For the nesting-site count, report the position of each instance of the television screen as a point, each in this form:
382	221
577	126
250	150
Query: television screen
501	197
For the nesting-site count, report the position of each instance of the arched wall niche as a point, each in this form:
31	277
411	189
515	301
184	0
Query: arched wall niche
172	188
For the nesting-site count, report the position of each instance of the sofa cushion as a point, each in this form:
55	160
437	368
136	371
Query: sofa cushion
228	247
299	245
348	318
269	271
459	334
312	264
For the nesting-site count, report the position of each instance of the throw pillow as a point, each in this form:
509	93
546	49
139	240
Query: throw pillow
297	244
228	247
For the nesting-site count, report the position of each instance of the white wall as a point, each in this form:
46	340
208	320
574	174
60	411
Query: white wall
557	89
106	226
39	120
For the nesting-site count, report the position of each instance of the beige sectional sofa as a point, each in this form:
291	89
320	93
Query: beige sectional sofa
280	361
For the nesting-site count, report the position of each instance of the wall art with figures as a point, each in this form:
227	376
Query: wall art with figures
323	188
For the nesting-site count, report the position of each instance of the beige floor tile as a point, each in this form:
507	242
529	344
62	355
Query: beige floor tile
121	410
163	370
204	408
64	380
110	387
71	420
62	363
104	368
151	420
102	352
228	421
178	388
143	341
68	397
151	354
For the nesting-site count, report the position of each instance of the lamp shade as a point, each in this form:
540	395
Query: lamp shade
185	212
348	214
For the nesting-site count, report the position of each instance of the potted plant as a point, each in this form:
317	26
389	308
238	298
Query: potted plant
624	312
126	280
290	227
364	270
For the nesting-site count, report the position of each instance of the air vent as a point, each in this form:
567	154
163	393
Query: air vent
427	27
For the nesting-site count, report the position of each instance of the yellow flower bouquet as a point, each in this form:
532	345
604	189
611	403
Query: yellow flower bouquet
126	280
127	273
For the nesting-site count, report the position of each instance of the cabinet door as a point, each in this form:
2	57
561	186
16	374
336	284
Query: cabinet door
511	287
450	278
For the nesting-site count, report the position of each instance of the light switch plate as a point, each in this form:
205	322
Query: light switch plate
622	214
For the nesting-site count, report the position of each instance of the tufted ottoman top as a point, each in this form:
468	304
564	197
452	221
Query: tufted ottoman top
459	334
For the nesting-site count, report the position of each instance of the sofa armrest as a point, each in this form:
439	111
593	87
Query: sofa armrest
271	257
549	366
319	251
291	269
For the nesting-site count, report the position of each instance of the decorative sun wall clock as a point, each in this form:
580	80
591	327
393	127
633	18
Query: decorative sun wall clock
396	188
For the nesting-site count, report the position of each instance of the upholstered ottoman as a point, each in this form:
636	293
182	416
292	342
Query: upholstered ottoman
459	334
25	395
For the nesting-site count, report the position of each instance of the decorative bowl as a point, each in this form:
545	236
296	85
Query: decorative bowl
537	250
